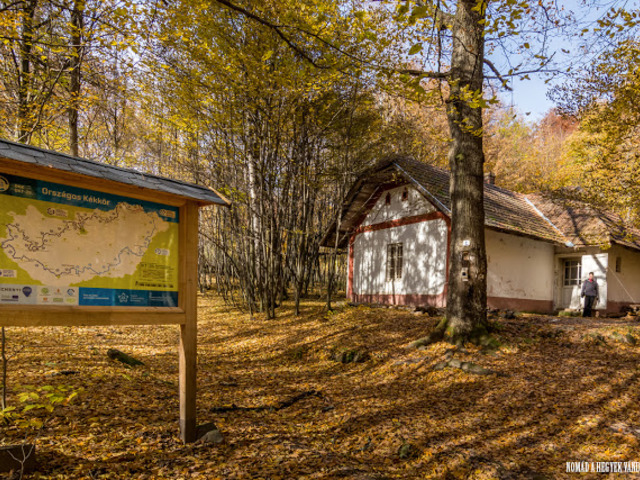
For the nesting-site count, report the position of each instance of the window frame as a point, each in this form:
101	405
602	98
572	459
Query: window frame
395	261
572	273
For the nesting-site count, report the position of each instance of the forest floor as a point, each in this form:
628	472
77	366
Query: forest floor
564	390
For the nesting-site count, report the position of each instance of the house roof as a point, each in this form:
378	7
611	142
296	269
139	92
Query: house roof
532	216
66	163
584	224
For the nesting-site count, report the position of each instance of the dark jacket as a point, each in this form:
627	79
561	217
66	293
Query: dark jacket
590	289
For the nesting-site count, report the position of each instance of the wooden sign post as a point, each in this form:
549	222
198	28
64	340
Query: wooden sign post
82	243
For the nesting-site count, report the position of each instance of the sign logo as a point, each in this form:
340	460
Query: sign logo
27	291
4	184
123	297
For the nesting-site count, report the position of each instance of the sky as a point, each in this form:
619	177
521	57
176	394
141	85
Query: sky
529	97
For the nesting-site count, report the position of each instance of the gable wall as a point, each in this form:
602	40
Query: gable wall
423	233
424	260
415	204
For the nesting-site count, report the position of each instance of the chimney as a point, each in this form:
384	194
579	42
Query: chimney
490	178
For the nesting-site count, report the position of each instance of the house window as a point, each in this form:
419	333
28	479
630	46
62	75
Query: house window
618	264
394	261
572	272
405	195
387	199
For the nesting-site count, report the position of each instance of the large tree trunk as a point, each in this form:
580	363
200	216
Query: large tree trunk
467	286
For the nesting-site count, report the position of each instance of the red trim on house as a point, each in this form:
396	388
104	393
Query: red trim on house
374	199
352	239
520	304
399	222
407	300
440	301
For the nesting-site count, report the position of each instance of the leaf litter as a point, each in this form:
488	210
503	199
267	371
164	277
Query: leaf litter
287	409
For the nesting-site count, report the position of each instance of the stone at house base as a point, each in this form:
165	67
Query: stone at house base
18	458
569	312
430	311
633	309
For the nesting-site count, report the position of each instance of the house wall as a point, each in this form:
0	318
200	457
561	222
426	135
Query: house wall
520	272
623	286
424	269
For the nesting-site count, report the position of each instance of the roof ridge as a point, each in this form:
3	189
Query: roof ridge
411	158
546	219
441	206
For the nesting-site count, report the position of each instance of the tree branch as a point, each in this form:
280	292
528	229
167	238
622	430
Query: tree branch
275	28
279	29
493	68
414	72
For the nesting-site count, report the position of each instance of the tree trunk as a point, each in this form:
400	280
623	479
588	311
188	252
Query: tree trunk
467	284
25	85
77	21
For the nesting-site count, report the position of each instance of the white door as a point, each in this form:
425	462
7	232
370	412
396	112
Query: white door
571	283
598	264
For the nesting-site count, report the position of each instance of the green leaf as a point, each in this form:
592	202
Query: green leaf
419	12
417	48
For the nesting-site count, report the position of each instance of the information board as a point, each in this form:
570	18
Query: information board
63	245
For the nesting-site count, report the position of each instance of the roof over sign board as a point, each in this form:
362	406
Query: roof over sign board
66	163
553	220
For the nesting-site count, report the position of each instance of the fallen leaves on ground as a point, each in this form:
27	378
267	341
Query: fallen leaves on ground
557	397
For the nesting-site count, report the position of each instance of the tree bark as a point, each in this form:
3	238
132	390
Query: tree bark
77	21
467	284
25	80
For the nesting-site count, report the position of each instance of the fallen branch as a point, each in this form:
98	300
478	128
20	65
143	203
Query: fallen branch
278	406
115	354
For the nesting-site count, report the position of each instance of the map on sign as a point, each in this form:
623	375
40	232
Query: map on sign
70	246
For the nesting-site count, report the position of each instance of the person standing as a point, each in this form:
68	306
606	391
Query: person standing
590	294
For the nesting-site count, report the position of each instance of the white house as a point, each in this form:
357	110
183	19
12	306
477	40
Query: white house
395	223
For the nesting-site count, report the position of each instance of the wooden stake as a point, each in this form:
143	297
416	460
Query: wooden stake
188	301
